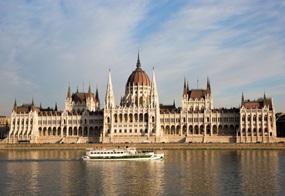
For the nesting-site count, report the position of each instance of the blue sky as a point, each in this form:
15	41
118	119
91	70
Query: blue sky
45	45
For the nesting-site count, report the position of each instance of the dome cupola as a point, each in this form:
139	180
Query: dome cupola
138	77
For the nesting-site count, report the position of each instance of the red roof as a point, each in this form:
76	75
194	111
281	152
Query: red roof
138	77
81	97
198	93
258	104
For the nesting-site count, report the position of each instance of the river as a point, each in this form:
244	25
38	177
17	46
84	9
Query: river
182	172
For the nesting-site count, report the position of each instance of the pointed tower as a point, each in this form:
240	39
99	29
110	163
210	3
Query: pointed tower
109	98
33	107
185	88
242	99
89	95
15	106
264	100
97	98
208	86
68	92
55	107
154	93
68	100
138	62
155	105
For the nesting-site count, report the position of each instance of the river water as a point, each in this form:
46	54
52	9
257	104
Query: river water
182	172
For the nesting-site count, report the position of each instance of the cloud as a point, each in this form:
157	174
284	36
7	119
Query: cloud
46	45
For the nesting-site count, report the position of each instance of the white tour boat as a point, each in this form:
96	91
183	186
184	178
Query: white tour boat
120	154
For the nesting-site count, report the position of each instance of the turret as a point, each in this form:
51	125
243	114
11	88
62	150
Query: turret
208	86
33	107
185	88
68	92
89	92
264	100
15	106
109	99
97	97
138	62
154	93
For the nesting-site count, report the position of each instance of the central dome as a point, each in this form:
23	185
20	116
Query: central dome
138	77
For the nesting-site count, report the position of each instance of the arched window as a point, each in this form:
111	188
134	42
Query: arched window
146	117
265	117
125	117
248	117
141	118
120	118
141	101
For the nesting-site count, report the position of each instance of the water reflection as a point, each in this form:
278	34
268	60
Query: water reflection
182	172
218	172
259	172
126	177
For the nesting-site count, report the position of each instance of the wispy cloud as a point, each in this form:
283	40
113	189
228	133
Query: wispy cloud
46	45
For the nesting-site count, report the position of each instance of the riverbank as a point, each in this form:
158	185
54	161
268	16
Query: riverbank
151	146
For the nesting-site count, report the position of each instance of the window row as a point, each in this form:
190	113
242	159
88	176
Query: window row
254	118
132	131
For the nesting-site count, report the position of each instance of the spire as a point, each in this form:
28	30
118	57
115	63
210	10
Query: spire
55	107
208	86
97	97
89	91
33	105
15	106
109	99
264	99
264	96
138	61
154	93
174	102
185	87
97	94
68	91
242	99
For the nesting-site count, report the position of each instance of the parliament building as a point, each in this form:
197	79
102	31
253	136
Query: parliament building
140	118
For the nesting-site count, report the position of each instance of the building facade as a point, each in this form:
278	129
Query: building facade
4	126
141	118
280	125
80	122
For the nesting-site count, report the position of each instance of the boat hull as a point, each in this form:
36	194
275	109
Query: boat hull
124	158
